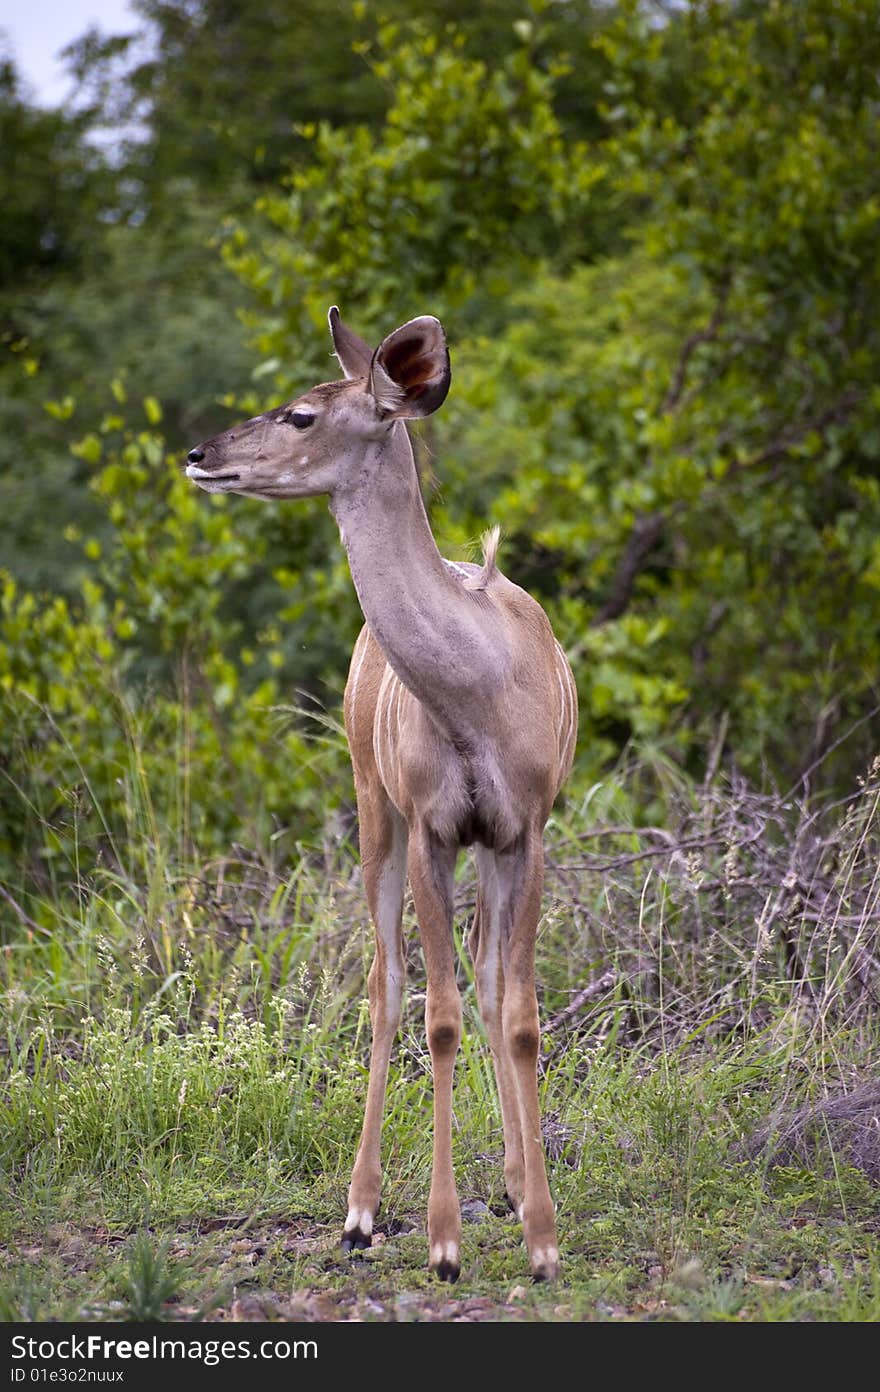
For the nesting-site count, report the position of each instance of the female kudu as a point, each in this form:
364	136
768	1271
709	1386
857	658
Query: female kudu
461	714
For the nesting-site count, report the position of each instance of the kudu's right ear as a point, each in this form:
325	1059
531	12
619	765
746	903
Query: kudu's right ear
410	372
353	354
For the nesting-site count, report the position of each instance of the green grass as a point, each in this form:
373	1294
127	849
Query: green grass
185	1058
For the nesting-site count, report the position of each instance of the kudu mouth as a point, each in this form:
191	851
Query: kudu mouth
205	476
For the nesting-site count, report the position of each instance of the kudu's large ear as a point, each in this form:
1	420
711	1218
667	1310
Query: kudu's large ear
353	354
410	373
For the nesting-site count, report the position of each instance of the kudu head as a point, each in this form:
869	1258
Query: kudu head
317	443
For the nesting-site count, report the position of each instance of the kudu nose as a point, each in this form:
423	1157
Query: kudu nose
195	456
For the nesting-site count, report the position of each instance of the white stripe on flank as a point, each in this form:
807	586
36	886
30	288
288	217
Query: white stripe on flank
361	643
563	710
392	693
377	726
563	672
400	696
383	738
571	709
572	739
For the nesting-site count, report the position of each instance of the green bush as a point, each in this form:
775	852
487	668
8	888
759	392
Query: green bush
138	714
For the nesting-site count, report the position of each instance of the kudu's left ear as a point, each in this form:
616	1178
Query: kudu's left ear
410	372
354	355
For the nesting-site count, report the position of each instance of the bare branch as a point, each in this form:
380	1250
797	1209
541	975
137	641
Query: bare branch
791	435
648	528
706	335
606	982
14	904
642	539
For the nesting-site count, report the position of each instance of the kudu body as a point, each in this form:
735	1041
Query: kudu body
461	714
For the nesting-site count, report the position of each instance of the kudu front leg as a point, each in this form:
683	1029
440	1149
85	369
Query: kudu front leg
521	1033
431	870
484	943
383	849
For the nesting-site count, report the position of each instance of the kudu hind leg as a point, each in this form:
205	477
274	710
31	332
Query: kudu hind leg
521	1042
484	944
383	853
431	870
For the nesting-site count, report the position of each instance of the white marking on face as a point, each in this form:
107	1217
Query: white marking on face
452	1252
437	1254
520	1211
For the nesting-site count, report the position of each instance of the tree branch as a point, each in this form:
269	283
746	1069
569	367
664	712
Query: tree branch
14	904
606	982
706	335
642	539
791	435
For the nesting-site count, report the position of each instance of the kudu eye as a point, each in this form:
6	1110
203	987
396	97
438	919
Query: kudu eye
301	420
